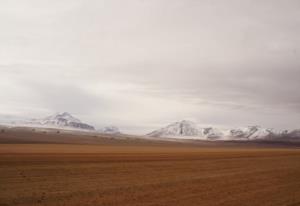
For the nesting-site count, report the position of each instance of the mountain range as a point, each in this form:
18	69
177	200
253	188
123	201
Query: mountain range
64	121
178	130
189	130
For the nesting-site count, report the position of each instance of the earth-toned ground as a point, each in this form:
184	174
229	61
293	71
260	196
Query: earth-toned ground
145	173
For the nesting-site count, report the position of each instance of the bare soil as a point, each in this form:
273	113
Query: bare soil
147	174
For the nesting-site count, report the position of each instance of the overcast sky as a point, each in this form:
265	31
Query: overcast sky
141	64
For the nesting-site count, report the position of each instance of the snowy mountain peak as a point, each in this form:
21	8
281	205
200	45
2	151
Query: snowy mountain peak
182	128
190	130
60	120
64	120
110	130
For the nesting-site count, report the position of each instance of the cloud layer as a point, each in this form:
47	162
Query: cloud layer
141	64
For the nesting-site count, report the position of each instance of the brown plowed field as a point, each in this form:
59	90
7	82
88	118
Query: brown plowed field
128	175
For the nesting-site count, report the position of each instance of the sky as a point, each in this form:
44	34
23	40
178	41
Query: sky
140	65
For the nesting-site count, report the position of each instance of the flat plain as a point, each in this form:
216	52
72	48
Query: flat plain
143	173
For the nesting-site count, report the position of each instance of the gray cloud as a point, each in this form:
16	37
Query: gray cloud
139	64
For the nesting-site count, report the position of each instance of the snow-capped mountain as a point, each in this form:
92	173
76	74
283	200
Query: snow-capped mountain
64	121
251	133
60	120
190	130
110	130
183	128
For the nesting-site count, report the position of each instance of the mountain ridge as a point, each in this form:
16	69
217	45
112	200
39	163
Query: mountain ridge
65	120
186	129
